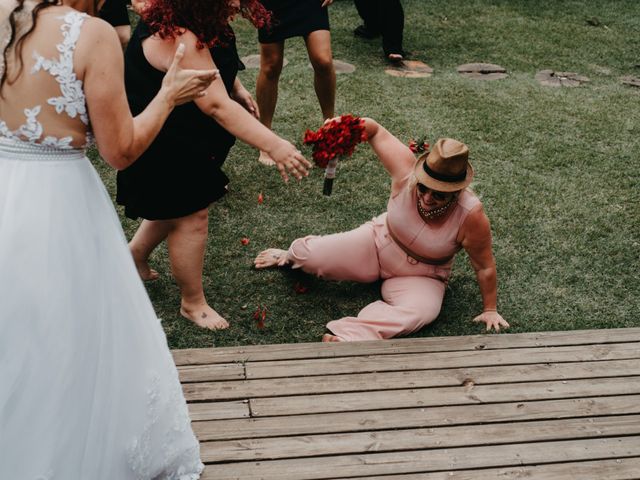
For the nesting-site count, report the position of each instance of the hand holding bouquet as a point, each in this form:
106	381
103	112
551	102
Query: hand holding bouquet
337	138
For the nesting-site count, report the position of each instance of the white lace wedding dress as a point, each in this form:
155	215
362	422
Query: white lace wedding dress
88	388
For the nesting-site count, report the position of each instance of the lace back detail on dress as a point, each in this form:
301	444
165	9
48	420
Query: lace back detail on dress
71	102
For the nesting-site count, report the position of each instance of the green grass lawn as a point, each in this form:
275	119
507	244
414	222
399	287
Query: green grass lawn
557	170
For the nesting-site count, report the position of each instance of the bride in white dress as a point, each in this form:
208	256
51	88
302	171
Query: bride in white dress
88	388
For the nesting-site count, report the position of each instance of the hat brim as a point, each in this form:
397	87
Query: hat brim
439	185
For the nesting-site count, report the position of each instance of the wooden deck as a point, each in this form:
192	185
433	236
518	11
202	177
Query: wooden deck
555	405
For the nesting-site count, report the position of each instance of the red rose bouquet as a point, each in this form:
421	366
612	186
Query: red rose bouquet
336	138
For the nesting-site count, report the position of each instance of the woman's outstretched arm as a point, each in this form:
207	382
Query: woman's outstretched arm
395	156
229	114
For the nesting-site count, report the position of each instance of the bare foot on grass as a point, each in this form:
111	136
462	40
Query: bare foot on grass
204	316
265	159
271	257
147	274
327	337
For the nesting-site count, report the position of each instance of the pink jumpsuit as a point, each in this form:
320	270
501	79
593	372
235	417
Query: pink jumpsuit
412	291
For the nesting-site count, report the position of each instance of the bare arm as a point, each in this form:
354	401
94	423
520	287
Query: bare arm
229	114
122	138
395	156
476	240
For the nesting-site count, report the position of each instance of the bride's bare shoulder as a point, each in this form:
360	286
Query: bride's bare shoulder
97	40
96	29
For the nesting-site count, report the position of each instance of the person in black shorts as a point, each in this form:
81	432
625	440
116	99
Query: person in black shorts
116	14
386	18
295	18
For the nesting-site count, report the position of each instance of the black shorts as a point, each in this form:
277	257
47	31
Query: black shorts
115	12
293	18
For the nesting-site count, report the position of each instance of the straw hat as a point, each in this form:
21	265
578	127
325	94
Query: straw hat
446	167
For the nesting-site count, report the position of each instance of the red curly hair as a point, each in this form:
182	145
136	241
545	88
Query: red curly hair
208	20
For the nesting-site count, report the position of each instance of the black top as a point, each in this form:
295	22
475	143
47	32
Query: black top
180	173
293	18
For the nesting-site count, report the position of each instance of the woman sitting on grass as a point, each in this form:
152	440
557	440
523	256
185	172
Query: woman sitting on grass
430	216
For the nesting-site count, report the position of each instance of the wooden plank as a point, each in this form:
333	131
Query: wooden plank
463	458
418	438
203	356
618	469
410	379
414	417
428	397
218	410
211	373
417	361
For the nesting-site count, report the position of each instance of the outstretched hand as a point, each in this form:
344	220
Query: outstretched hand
289	159
492	319
184	85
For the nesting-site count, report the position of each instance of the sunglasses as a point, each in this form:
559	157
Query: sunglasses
438	196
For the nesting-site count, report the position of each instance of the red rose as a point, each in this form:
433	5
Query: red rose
337	137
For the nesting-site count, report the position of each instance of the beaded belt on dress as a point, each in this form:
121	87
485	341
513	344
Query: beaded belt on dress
412	254
11	149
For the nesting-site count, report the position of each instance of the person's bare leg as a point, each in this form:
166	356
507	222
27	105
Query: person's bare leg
271	58
149	235
187	241
272	257
324	74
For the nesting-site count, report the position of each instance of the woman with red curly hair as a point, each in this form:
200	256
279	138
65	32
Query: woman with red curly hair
179	176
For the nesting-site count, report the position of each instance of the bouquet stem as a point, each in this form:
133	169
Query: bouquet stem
329	175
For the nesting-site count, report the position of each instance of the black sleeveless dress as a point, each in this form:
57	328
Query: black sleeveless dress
180	173
293	18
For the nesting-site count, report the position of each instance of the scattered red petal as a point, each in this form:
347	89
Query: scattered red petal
260	315
299	288
260	198
244	241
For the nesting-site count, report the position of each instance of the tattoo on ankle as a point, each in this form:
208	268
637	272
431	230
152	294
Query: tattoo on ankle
204	315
